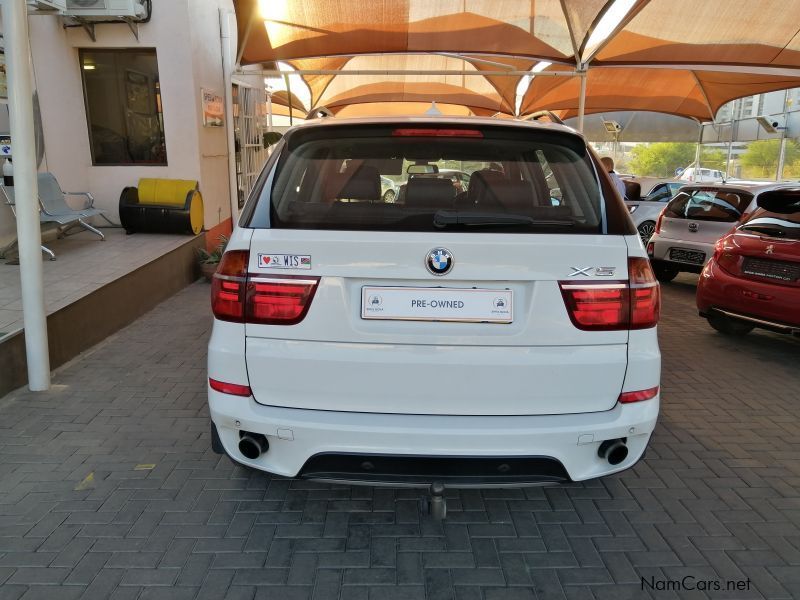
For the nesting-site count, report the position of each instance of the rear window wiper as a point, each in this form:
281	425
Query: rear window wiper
445	218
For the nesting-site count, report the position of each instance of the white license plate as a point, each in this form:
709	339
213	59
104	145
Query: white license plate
465	305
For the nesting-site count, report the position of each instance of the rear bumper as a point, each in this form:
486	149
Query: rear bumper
661	253
769	306
296	436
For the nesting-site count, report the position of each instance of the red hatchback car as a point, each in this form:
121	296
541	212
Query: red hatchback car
753	279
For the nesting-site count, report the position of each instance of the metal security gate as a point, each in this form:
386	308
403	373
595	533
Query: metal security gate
248	119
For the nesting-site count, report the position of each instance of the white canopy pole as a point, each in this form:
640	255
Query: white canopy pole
227	29
26	193
582	98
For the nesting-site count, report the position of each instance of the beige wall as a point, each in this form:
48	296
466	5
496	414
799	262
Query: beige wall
185	34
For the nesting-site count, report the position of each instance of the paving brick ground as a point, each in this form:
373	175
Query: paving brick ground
108	488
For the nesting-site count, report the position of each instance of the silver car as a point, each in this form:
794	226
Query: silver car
645	210
691	223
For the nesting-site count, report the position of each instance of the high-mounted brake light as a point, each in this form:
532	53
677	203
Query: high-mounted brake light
234	389
628	397
615	305
426	132
240	297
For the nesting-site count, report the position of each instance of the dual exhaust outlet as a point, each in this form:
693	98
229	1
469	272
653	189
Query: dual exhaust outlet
253	445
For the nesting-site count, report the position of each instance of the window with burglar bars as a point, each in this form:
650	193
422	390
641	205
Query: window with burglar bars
248	114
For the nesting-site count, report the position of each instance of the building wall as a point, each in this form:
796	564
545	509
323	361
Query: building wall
186	36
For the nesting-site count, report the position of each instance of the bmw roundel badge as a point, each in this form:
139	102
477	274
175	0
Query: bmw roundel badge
439	261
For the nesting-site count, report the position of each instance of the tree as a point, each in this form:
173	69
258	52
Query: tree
661	159
761	157
713	158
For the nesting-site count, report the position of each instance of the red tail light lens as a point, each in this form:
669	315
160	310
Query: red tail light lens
614	306
279	300
628	397
234	389
228	286
726	259
660	218
240	297
645	294
596	307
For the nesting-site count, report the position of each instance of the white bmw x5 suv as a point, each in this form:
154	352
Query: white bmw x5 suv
502	334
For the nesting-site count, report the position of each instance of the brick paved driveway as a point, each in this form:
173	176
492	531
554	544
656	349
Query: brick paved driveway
108	488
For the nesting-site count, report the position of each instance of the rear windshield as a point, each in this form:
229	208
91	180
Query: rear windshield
773	224
709	205
436	180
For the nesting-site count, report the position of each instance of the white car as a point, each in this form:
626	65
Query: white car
692	222
475	338
702	175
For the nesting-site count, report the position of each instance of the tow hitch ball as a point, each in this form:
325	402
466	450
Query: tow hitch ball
435	505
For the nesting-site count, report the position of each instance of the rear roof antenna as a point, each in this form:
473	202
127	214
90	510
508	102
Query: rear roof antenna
433	110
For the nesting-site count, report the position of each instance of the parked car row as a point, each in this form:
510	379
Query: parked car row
744	240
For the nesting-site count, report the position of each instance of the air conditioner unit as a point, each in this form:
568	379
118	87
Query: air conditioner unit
47	5
104	9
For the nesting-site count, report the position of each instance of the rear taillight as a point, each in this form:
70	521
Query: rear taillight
618	305
644	292
660	218
279	300
648	394
228	286
726	259
250	298
597	307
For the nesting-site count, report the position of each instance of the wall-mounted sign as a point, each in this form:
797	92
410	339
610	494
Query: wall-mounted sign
213	109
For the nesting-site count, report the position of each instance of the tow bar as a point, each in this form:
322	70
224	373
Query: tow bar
435	505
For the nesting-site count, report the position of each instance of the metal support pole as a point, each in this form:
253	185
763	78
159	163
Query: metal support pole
730	138
782	155
582	98
227	27
29	233
269	110
697	154
289	95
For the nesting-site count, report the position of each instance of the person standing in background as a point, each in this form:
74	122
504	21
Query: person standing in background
608	164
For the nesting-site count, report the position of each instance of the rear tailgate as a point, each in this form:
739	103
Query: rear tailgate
491	336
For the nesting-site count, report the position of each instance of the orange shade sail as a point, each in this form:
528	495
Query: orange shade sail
683	92
680	57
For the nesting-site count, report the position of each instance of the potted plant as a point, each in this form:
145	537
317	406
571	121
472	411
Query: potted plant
209	259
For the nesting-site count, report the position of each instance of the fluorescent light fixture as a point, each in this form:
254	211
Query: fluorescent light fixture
88	67
525	83
607	24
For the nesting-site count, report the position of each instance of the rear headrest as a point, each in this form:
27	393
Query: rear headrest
429	193
633	190
363	184
479	184
491	190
